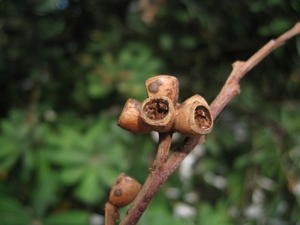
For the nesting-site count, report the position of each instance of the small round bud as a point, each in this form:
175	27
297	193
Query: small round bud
124	190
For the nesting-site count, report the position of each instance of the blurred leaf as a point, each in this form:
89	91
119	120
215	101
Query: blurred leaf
8	163
280	25
166	41
290	120
159	215
213	216
12	212
45	193
188	42
71	175
89	189
51	28
235	187
68	218
46	6
97	88
67	157
242	161
108	175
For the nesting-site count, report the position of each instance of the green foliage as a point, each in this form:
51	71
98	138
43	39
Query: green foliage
158	215
67	68
84	158
217	215
12	212
68	218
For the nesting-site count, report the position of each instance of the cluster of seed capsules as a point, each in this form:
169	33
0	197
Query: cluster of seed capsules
162	112
159	112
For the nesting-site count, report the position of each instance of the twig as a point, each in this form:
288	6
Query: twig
230	89
111	214
163	149
153	181
240	68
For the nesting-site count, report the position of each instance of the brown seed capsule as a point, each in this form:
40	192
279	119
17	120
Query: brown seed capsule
193	117
158	112
124	190
130	118
163	85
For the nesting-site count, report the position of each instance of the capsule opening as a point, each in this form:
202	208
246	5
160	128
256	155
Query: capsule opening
156	109
202	117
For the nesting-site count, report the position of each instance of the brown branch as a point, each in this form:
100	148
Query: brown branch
163	149
231	88
111	214
153	181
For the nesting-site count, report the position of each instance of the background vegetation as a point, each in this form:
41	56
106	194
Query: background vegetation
66	69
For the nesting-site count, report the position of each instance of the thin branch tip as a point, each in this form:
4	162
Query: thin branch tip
297	26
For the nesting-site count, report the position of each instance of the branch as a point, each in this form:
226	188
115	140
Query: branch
163	149
111	214
231	88
240	68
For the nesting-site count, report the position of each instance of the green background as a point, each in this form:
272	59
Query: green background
66	70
